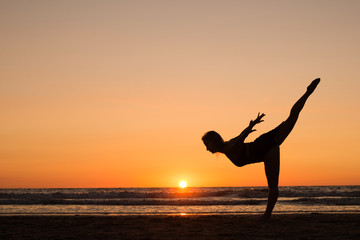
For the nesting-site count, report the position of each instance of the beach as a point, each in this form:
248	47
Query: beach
242	226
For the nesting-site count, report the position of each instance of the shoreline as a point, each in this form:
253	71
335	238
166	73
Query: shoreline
236	226
172	214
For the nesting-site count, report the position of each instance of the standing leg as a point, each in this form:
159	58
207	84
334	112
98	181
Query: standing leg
272	168
285	128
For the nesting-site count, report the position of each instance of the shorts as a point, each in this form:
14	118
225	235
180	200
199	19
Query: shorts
263	144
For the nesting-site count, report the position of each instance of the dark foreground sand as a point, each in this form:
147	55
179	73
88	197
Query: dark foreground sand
298	226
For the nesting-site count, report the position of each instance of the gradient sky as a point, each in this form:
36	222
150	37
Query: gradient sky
119	93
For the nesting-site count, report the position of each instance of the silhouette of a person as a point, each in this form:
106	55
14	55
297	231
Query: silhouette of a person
265	148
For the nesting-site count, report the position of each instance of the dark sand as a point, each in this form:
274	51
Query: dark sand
289	226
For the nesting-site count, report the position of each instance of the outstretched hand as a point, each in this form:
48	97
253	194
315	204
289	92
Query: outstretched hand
257	120
250	129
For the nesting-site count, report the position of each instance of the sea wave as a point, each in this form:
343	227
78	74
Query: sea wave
324	195
131	202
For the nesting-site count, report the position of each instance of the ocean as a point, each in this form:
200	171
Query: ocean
163	201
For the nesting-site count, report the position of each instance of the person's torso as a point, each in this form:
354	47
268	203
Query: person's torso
239	154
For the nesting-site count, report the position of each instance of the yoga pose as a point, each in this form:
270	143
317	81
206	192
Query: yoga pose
265	148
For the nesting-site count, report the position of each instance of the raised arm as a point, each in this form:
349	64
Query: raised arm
249	129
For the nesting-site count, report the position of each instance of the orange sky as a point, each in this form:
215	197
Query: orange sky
119	93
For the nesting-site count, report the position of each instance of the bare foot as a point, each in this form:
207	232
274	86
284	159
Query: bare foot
313	85
265	218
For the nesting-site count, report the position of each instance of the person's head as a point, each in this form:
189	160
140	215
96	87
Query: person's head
213	141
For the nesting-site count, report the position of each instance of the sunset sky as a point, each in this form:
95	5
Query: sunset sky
119	93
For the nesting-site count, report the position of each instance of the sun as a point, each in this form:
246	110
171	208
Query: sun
182	184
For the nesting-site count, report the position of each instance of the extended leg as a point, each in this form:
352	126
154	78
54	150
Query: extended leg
272	167
285	128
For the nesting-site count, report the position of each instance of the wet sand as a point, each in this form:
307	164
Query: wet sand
281	226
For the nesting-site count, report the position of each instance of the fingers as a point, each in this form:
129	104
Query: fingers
258	118
260	115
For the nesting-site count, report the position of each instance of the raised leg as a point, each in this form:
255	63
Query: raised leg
272	168
285	127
